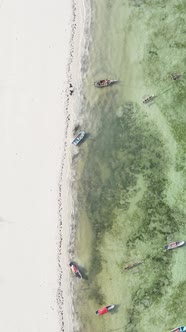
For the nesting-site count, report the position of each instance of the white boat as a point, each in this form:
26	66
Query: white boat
103	83
148	99
174	245
179	329
79	138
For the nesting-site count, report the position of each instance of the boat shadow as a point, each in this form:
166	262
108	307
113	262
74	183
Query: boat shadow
87	136
113	83
84	272
115	310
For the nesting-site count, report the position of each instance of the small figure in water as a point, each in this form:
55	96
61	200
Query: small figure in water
132	265
175	76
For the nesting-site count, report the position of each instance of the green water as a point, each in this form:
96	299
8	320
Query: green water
131	171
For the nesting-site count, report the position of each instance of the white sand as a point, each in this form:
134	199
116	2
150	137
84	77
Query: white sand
34	42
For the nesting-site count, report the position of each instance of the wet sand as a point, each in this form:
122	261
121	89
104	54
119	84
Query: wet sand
66	229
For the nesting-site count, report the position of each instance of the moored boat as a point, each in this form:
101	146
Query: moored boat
75	270
103	83
131	266
148	99
179	329
174	245
104	310
79	138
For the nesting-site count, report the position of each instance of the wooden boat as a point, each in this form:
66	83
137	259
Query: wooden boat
104	310
148	99
79	138
75	270
174	245
131	266
103	83
179	329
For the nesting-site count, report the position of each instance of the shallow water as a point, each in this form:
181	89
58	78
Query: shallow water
131	170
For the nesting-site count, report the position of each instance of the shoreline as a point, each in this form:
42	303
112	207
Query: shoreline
66	227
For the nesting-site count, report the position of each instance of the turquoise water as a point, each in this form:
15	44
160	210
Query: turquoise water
131	170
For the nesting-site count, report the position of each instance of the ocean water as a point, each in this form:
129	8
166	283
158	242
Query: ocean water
131	171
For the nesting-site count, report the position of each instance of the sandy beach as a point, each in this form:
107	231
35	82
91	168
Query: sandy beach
35	154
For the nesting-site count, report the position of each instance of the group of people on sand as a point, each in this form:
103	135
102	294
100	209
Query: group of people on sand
71	89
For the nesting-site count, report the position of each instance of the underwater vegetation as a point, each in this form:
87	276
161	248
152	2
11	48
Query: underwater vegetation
134	149
132	179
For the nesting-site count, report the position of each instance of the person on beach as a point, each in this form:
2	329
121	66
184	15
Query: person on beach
71	89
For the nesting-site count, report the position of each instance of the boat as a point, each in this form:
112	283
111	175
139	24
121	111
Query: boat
174	245
148	99
179	329
79	138
75	270
131	266
104	310
103	83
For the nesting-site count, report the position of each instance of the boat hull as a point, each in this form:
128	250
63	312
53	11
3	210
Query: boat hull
131	266
75	270
104	310
149	99
174	245
79	138
104	83
179	329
